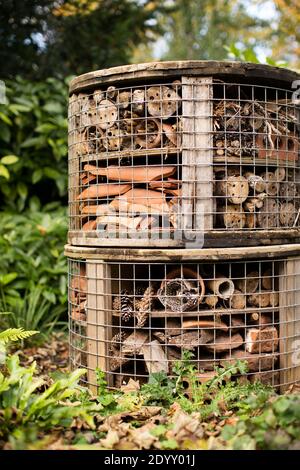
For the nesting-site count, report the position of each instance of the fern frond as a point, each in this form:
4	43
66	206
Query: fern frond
15	334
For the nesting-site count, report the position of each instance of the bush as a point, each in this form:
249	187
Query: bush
33	143
33	282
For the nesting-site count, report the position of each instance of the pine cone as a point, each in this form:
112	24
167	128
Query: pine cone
145	305
117	304
116	341
126	306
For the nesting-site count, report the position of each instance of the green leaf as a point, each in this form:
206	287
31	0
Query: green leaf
5	119
34	142
37	175
22	190
53	107
8	278
9	159
4	172
50	296
5	133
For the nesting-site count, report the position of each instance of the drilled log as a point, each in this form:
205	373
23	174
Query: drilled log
280	174
108	114
232	216
272	186
287	214
267	279
235	189
288	190
162	101
148	134
268	216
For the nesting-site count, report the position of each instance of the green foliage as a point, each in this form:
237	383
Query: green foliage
248	54
29	406
270	425
15	334
37	38
33	285
33	143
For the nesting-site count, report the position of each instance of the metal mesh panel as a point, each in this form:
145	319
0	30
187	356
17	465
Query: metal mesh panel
131	319
174	162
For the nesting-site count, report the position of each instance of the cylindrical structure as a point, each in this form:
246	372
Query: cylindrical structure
135	312
184	154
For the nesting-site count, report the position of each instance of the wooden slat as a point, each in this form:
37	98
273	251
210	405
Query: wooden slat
197	168
98	318
289	320
187	255
159	152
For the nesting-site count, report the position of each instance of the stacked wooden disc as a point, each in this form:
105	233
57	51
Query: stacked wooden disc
183	160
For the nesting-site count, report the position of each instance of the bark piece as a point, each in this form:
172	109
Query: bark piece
249	284
232	216
173	327
192	339
261	340
254	203
181	290
256	362
155	357
145	305
221	286
235	189
143	174
224	342
162	101
103	190
133	344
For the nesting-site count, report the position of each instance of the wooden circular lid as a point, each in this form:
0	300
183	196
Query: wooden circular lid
243	72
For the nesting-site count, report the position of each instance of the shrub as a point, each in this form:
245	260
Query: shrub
33	142
33	281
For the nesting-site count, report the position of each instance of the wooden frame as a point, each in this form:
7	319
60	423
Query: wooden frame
289	321
98	308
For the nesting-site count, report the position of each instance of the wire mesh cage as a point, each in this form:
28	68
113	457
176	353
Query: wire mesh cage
184	161
131	319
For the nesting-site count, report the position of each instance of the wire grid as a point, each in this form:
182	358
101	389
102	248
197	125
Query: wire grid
162	161
131	320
